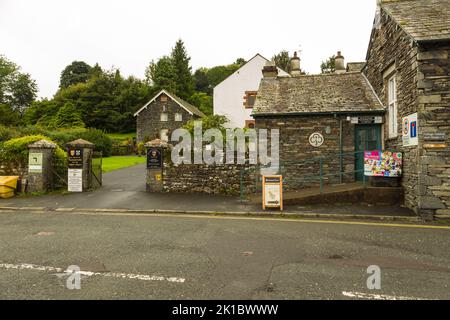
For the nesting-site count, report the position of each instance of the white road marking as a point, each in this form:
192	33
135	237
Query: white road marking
28	266
370	296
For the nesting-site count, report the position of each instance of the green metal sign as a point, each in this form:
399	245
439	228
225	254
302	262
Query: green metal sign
35	163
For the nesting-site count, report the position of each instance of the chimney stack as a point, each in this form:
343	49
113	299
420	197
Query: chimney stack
339	63
295	65
270	70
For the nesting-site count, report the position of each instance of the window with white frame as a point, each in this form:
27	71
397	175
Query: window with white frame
178	117
164	116
164	134
392	107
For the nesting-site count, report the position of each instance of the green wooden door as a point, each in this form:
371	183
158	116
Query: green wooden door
367	138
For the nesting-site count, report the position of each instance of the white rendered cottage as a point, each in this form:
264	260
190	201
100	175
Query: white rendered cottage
235	96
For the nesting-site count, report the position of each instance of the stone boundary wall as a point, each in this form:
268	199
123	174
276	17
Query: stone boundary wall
203	178
14	169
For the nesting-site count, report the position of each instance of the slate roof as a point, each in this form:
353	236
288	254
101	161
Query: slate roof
423	20
184	104
187	105
325	93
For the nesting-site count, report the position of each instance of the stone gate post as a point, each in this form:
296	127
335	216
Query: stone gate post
40	166
155	150
80	158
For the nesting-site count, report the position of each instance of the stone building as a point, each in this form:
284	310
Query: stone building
340	112
408	65
398	100
164	113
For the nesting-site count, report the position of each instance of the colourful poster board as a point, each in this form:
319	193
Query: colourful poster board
383	164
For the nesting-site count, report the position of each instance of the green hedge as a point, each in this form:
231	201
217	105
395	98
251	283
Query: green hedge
16	150
101	141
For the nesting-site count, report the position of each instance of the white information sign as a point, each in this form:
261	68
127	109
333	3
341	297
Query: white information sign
75	180
410	130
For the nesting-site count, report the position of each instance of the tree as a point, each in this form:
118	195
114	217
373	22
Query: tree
106	101
201	80
240	61
328	66
283	61
183	72
219	73
8	116
208	122
40	112
161	75
17	89
203	102
76	72
67	117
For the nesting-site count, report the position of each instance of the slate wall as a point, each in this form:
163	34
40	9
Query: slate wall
434	128
422	74
299	159
391	46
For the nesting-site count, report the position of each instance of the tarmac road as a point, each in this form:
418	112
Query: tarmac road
125	189
206	257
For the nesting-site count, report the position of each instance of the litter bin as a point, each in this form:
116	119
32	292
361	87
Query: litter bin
8	186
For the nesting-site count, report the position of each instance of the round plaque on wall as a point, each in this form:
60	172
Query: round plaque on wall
316	139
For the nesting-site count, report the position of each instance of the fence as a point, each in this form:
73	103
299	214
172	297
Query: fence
59	171
306	173
96	171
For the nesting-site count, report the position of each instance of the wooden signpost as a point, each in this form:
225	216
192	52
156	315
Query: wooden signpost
272	192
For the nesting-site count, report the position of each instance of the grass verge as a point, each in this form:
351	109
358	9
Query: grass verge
119	162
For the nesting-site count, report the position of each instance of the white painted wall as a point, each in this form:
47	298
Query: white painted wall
229	94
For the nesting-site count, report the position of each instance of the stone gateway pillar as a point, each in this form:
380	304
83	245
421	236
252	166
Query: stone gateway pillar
155	150
40	166
79	157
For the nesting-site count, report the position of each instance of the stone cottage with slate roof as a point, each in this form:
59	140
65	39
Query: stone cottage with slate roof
164	113
409	52
407	73
302	105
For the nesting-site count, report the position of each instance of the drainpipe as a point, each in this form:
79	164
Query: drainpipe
341	165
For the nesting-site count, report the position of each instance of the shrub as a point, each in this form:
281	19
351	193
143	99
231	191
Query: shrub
61	137
140	148
7	133
67	116
101	141
16	150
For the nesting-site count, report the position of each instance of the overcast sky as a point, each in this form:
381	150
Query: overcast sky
45	36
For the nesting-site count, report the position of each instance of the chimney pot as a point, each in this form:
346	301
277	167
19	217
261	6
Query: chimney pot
270	70
339	63
295	65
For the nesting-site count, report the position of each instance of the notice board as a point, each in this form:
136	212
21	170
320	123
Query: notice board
272	192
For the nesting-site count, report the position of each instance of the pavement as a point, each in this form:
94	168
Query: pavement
135	256
124	190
